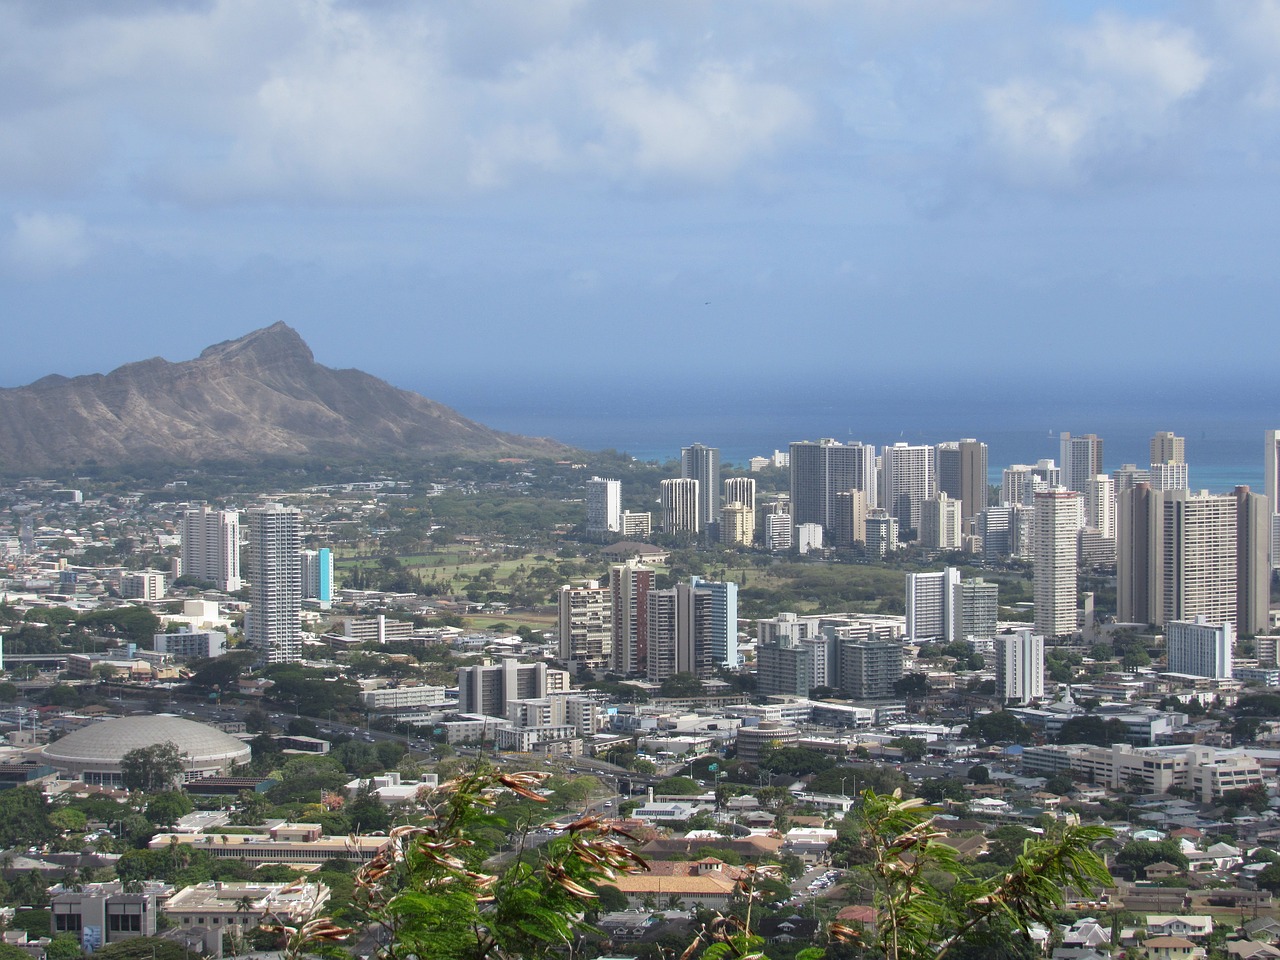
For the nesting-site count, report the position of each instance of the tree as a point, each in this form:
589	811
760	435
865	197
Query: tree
929	903
979	774
911	685
677	787
681	685
1094	730
999	727
154	769
913	748
1140	854
63	947
166	809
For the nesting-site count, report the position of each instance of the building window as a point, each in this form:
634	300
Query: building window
67	922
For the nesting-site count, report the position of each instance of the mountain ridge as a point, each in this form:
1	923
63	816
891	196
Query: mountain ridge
258	395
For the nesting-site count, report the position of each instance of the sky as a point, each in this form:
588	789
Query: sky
489	201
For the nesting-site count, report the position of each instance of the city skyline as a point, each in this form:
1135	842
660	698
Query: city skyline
406	181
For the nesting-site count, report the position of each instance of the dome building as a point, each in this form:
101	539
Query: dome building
93	753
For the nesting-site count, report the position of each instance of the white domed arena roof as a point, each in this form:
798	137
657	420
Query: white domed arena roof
109	740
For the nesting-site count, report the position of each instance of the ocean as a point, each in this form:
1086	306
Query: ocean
1019	423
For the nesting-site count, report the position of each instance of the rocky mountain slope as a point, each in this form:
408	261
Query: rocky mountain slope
260	395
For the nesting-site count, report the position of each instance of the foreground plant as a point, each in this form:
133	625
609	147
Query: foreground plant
919	920
434	896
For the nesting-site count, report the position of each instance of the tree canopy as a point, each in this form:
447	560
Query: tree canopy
154	769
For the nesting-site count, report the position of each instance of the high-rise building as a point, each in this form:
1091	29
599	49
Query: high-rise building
870	668
1271	490
1199	647
679	625
681	506
1055	541
1170	476
1181	555
636	525
928	603
1128	477
940	523
975	610
1081	459
741	490
1020	667
211	546
738	515
850	524
1100	505
906	482
778	534
272	624
1253	569
737	524
629	586
604	505
821	470
586	625
1167	448
703	464
722	636
487	688
317	575
962	475
882	533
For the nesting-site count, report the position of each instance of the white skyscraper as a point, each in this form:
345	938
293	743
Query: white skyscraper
586	625
1054	547
906	482
1020	667
1081	459
741	490
703	464
1199	648
604	505
272	625
681	506
211	546
929	599
1169	476
1100	505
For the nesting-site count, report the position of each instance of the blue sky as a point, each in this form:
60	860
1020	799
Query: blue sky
515	196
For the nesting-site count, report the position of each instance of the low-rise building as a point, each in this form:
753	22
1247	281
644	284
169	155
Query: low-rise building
237	906
98	914
1207	772
293	844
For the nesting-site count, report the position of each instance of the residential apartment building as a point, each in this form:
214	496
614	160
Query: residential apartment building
1199	648
1056	526
703	465
941	527
928	603
962	476
486	689
975	610
272	624
191	644
211	546
870	668
317	575
1081	460
823	469
604	505
585	620
1181	556
1020	667
629	586
142	585
681	506
906	481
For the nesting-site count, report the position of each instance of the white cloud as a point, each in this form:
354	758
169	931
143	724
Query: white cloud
45	243
1114	90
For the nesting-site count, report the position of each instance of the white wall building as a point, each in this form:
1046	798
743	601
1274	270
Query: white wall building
272	623
604	505
1054	546
211	546
1020	667
1199	648
928	603
681	510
